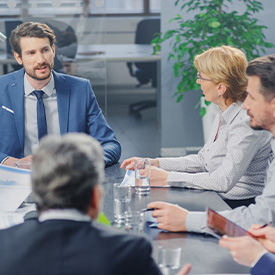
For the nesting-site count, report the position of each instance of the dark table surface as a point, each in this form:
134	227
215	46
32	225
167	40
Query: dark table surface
201	250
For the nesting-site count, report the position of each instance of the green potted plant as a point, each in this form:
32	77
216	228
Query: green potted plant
212	25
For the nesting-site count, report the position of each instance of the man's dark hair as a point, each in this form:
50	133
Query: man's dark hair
30	29
264	68
65	170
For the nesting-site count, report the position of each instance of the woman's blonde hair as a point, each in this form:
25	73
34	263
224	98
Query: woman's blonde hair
225	65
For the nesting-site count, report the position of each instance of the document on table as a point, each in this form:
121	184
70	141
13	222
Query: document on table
8	219
129	179
15	186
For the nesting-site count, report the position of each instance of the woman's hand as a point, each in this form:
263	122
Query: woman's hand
129	164
158	176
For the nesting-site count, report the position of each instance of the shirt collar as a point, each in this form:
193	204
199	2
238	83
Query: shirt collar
273	145
63	214
229	114
48	89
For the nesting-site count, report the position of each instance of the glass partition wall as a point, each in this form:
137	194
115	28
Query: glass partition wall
81	37
92	39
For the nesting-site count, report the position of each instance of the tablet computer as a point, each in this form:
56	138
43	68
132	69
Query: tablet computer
220	226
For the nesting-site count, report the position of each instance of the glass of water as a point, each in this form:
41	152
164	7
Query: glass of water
122	199
169	259
142	176
134	222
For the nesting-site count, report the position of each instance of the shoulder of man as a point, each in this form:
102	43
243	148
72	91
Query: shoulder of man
69	78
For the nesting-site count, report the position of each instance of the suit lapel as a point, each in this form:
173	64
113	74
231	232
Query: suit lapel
17	100
63	91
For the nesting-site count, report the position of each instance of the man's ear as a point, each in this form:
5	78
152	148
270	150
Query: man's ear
273	106
95	203
53	48
18	58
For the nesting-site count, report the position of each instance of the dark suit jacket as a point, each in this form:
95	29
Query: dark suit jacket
56	247
78	111
265	266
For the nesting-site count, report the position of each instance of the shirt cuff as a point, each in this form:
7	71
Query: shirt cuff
258	258
4	160
180	179
196	222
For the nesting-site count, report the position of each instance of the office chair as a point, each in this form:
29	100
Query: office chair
145	72
66	40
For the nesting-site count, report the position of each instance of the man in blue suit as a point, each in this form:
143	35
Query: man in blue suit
67	175
68	103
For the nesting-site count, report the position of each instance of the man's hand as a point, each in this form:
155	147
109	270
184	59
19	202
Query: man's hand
170	217
10	161
245	250
185	270
265	235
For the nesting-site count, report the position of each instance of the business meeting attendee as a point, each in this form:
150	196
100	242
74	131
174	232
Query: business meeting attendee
260	106
255	252
67	175
36	101
234	159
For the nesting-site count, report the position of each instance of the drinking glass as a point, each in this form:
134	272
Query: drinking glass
142	176
122	199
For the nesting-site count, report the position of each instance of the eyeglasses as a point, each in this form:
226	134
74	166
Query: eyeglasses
201	78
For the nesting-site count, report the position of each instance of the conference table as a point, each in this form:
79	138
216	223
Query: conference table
201	250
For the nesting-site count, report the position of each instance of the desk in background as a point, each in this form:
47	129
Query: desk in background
201	250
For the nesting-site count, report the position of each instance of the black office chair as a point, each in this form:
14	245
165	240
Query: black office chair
66	40
145	72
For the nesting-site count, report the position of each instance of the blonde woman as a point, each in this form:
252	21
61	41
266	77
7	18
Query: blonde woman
234	159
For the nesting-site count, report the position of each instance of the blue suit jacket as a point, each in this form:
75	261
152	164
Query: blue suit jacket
78	111
265	266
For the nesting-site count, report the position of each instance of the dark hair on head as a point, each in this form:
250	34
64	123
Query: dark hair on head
30	29
264	68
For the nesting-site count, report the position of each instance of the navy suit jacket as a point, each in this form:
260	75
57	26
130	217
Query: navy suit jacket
265	266
78	111
63	247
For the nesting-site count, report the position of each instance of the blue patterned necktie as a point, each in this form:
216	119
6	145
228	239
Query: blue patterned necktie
41	116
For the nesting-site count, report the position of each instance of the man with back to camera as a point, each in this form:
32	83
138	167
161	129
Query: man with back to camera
36	101
67	175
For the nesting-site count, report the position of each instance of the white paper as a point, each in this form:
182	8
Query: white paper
8	219
129	178
15	186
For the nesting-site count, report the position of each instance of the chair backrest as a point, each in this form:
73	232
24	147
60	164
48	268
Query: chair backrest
147	29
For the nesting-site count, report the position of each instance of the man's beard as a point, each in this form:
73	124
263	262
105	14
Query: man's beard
32	73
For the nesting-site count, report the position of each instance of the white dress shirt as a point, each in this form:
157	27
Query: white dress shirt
64	214
262	212
234	164
51	110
